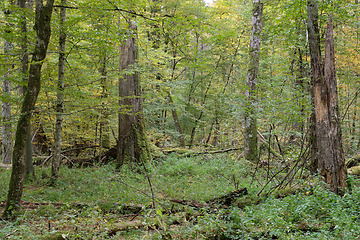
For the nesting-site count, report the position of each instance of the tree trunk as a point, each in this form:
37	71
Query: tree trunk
43	31
176	120
60	96
23	4
328	130
251	141
6	111
29	167
6	107
132	143
316	74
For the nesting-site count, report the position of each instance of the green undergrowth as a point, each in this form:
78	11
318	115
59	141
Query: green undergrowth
102	203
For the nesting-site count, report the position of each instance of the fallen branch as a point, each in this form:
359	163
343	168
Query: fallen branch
5	166
267	145
193	154
126	226
190	203
117	207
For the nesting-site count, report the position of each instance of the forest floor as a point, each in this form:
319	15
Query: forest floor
208	196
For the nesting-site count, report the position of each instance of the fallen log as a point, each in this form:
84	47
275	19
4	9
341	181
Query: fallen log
193	154
354	170
222	201
229	198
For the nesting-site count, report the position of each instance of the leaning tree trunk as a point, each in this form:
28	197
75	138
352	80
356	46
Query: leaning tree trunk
43	31
328	130
251	141
60	97
23	4
132	143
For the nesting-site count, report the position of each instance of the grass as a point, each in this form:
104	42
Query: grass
309	213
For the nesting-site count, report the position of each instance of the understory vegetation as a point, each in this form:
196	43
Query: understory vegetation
101	203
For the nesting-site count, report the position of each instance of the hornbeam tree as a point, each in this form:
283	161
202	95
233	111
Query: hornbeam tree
42	27
6	108
60	96
251	141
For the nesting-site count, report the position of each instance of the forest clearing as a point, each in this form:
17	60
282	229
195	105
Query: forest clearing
179	119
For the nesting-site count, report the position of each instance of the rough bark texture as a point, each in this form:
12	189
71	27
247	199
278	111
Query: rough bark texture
328	131
327	151
24	46
30	173
60	96
43	31
251	141
316	73
132	143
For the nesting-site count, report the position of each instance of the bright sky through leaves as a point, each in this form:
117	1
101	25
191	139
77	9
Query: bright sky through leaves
208	1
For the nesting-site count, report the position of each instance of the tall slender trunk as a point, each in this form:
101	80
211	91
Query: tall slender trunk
104	138
6	107
174	112
60	96
251	141
176	120
23	4
132	143
43	31
6	111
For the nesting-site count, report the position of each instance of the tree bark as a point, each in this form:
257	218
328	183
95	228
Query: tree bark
251	141
132	143
6	111
60	96
43	31
23	4
326	139
328	130
6	107
316	74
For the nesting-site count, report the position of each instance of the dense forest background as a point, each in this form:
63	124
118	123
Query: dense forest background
190	70
192	62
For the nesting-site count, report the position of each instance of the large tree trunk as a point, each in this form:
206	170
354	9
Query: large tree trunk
132	142
327	151
23	4
43	32
316	73
328	131
60	96
251	141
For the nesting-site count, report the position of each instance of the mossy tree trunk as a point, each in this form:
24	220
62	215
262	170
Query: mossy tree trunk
43	31
6	92
132	143
60	96
316	73
251	140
